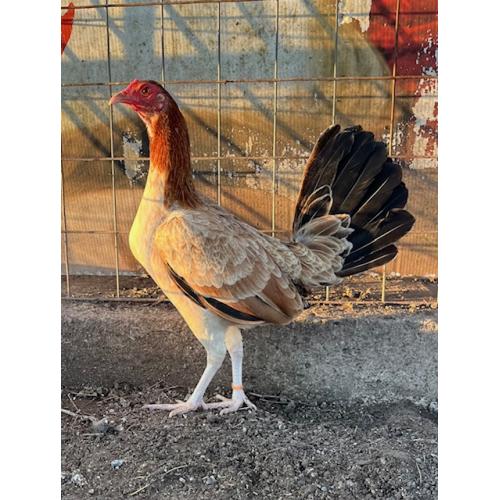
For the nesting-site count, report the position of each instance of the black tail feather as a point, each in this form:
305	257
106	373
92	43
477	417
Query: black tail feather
331	156
348	172
348	175
380	233
368	172
369	261
397	199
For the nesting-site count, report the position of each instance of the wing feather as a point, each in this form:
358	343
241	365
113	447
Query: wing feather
229	267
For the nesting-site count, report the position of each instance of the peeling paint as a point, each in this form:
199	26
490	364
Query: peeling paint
356	9
249	146
425	115
135	169
428	53
397	137
425	109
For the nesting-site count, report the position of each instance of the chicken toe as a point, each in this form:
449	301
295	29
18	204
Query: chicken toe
231	405
179	408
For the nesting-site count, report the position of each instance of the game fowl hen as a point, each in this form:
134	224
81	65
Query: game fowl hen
224	275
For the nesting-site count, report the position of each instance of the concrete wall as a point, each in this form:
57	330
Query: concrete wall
354	355
306	48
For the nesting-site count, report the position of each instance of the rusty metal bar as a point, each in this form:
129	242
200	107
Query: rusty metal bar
367	303
162	42
335	55
261	80
334	89
208	2
154	3
393	111
103	231
211	158
219	108
91	231
384	274
65	237
112	151
393	82
275	115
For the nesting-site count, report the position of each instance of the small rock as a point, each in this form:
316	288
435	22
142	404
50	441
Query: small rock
101	425
429	326
91	491
310	472
78	479
210	480
116	464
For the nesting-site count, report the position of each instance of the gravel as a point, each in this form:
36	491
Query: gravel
285	449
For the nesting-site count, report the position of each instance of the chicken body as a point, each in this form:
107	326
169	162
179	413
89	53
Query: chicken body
183	238
222	274
216	334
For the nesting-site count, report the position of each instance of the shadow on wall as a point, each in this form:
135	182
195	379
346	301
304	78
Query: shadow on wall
306	48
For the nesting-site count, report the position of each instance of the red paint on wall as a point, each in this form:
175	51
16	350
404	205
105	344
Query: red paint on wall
417	37
417	46
67	26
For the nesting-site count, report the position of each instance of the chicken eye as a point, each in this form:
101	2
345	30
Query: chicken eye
145	91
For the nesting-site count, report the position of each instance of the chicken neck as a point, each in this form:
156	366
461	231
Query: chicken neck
170	176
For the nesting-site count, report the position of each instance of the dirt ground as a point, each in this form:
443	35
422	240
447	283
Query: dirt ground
376	443
287	449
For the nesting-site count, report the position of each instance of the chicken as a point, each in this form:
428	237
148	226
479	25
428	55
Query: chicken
222	274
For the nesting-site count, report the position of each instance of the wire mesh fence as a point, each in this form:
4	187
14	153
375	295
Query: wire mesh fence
257	82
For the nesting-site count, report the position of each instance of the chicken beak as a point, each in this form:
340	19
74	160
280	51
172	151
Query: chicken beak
120	97
125	96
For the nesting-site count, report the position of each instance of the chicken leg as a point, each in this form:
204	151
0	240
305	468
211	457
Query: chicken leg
234	345
215	346
216	352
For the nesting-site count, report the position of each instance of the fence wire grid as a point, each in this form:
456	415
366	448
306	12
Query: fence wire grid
399	17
